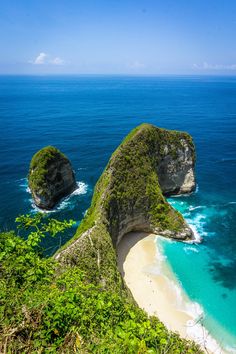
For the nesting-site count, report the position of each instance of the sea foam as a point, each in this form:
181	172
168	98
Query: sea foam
194	327
66	203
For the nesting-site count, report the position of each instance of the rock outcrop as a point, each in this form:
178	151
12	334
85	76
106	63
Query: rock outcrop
129	196
51	177
176	169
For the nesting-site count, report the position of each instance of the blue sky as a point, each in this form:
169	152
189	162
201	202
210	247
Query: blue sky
118	37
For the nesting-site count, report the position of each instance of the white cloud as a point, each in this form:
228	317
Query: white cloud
207	66
44	58
41	59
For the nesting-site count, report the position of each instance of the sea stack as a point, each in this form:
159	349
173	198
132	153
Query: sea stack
149	164
51	177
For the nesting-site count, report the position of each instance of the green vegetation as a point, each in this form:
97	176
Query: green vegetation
49	309
39	167
135	180
76	302
127	188
130	180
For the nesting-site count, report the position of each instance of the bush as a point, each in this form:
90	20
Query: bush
49	309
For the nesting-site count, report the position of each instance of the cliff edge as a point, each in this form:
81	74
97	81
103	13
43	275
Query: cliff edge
130	196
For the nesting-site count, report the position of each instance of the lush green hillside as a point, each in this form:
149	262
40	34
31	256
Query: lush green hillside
128	197
77	302
47	309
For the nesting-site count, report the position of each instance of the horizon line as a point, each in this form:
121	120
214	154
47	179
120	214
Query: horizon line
120	74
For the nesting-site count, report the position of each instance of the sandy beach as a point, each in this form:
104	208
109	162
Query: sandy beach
157	291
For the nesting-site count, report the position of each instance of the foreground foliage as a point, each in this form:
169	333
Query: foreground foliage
46	309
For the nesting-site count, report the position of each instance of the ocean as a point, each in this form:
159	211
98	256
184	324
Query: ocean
87	117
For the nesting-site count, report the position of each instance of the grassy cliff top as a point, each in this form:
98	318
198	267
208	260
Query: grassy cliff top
134	178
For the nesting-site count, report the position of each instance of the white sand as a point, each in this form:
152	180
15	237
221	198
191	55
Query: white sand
157	291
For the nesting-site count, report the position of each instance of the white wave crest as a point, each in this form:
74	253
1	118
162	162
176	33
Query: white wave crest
189	249
191	208
194	327
197	235
23	183
82	188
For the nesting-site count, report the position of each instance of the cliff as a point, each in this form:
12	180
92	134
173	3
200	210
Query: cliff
129	196
50	177
80	303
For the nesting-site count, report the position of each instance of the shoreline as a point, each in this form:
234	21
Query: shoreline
157	291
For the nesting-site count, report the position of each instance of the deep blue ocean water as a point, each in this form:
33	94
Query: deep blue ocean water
87	117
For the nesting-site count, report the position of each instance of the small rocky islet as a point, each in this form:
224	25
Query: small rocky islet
51	177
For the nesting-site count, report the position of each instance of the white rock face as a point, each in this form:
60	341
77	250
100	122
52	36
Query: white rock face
176	169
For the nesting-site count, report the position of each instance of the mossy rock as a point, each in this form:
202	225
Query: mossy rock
51	177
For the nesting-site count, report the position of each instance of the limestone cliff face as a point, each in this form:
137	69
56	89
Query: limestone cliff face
129	196
51	177
175	169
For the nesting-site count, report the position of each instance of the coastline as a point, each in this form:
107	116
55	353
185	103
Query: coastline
157	291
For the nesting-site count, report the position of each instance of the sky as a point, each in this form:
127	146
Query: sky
135	37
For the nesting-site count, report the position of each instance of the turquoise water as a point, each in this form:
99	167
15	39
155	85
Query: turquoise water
206	274
87	117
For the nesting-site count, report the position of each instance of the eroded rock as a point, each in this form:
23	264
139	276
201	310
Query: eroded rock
130	196
51	177
175	168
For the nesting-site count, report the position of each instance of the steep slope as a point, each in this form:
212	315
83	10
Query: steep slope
129	196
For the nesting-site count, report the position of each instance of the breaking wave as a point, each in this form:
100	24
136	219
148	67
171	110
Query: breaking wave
67	203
